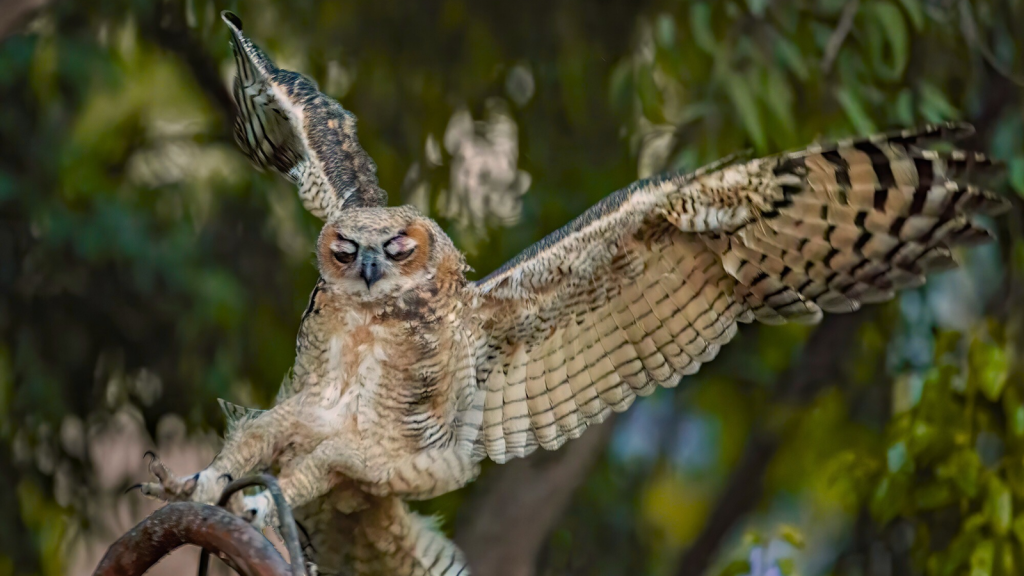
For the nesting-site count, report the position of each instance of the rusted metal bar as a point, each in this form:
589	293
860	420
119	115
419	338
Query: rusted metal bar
180	523
284	513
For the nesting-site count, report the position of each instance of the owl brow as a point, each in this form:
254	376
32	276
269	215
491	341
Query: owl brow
353	243
391	248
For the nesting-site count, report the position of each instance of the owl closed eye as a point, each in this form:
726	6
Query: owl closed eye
400	247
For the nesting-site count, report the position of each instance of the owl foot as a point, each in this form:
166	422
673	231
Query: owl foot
259	510
201	487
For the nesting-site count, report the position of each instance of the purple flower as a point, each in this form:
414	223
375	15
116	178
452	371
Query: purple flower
760	565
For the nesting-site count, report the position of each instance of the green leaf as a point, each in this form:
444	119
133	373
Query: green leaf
757	7
935	107
999	506
665	28
621	85
779	98
742	97
915	12
933	495
1008	137
889	20
1015	174
1018	528
904	108
896	456
974	523
787	566
649	95
990	368
889	499
736	568
858	116
793	535
790	56
956	555
962	468
982	557
700	27
1013	407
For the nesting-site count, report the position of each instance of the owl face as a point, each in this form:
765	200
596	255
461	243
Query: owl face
372	253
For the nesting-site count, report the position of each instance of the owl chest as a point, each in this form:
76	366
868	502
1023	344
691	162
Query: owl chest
389	383
364	354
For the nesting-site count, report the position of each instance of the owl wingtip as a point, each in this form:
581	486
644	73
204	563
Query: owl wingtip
231	19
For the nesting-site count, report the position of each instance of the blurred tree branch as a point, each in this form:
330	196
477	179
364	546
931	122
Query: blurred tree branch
511	517
14	13
843	28
211	527
818	366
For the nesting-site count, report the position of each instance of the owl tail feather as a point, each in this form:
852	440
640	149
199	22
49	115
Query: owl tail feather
854	222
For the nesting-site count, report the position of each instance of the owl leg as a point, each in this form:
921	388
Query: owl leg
426	474
436	471
257	442
252	445
305	479
419	476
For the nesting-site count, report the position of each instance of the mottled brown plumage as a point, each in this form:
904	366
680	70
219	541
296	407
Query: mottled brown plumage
407	375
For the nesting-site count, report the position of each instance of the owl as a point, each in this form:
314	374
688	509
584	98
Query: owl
407	374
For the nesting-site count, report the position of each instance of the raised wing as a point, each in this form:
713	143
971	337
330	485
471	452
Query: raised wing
285	123
648	284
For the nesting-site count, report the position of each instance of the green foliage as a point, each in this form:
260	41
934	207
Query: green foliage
954	453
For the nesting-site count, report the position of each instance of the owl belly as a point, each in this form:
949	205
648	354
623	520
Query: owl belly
369	363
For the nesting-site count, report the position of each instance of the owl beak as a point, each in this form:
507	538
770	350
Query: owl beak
370	270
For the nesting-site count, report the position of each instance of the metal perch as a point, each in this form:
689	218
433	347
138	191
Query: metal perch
214	529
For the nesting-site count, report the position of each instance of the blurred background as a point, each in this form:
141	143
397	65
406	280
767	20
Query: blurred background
147	269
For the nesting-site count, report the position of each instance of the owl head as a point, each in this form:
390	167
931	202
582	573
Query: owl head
373	253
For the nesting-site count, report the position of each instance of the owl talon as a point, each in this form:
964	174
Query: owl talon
171	488
259	510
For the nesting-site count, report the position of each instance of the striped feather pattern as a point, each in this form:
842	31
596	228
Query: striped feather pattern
391	539
286	124
647	286
382	537
657	315
263	127
855	222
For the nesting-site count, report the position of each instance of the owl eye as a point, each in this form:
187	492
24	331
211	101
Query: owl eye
344	250
400	247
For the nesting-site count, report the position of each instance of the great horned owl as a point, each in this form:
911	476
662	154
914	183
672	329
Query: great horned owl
407	374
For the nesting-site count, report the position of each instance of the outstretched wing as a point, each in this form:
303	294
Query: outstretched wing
648	284
284	122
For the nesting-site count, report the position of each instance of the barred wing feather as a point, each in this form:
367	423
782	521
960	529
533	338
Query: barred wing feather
648	284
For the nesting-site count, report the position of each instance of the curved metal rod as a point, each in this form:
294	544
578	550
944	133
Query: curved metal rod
284	516
179	523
